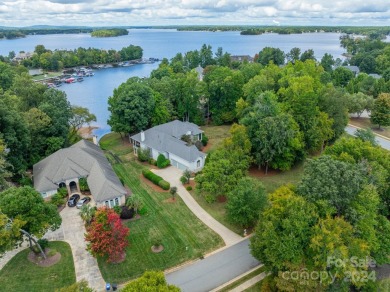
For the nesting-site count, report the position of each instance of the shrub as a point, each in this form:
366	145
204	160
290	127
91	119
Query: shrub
164	185
57	200
25	181
162	161
183	179
189	188
199	145
204	140
83	184
126	213
63	192
143	154
43	242
117	209
155	237
51	253
152	161
143	211
173	190
154	178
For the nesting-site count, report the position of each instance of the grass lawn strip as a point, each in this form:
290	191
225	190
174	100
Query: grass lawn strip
19	274
243	279
185	237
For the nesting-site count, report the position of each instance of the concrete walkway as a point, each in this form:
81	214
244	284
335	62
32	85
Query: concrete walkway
172	175
10	254
72	231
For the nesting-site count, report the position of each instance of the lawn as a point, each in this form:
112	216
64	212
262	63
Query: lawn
19	274
243	280
366	123
215	134
46	75
185	237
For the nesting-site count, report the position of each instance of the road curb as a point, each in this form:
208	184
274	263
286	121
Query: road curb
236	278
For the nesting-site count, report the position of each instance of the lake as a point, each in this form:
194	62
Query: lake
160	43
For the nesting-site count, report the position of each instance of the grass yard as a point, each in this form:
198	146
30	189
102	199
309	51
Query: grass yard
185	237
19	274
243	280
366	123
215	134
273	181
384	285
46	75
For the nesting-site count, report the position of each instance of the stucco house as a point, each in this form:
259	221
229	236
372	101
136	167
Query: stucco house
166	139
84	159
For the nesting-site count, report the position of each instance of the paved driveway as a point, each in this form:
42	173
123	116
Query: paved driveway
172	175
72	231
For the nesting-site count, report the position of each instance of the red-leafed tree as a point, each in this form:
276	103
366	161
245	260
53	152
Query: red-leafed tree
107	236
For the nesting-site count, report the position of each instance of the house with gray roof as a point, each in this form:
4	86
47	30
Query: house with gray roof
166	139
354	69
84	159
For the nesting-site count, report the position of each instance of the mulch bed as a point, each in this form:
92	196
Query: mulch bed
49	261
157	249
207	147
136	217
152	185
221	199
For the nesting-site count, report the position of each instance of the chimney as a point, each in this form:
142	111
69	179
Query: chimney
142	136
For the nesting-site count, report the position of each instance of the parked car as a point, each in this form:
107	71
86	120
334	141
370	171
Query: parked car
83	201
73	200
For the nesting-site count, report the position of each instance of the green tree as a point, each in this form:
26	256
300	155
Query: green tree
333	182
366	135
4	166
359	102
341	76
131	106
269	54
245	202
327	62
224	87
293	55
226	165
135	202
80	117
150	281
27	205
380	114
10	234
308	55
283	231
87	213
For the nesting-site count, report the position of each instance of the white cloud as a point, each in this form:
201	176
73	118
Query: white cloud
154	12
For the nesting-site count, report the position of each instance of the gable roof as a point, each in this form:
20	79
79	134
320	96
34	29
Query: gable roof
167	138
83	159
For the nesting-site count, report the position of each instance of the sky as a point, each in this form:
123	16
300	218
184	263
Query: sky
18	13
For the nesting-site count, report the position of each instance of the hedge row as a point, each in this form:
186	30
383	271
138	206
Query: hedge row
157	180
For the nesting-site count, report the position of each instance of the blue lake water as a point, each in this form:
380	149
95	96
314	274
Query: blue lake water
160	43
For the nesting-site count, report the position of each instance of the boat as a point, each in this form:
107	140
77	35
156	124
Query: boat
70	80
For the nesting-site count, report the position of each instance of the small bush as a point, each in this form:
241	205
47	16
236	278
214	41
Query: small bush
83	184
154	178
25	181
162	161
183	179
51	253
126	213
173	190
43	242
63	192
164	185
204	140
152	161
143	154
117	210
199	145
155	237
57	200
189	188
143	211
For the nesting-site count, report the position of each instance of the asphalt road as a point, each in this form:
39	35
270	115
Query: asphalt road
382	142
215	270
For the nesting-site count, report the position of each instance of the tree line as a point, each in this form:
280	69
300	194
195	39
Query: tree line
34	122
112	32
59	59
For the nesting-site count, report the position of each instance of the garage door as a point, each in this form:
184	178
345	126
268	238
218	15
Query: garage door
178	164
